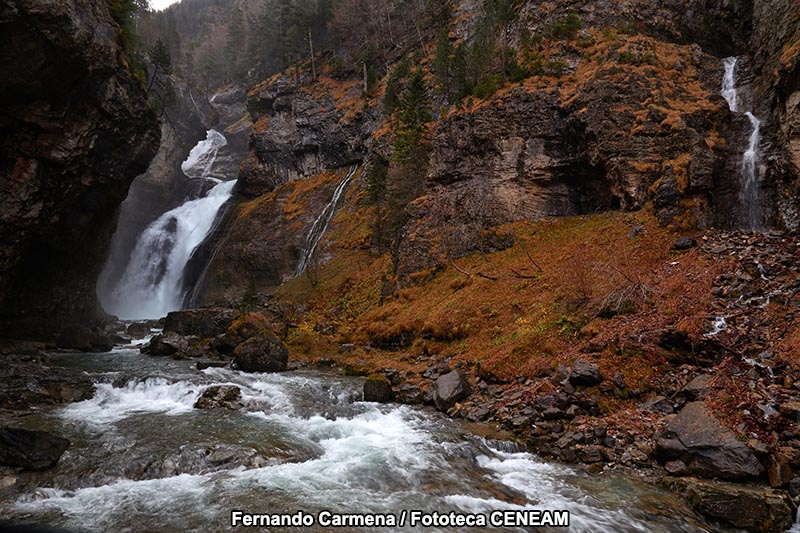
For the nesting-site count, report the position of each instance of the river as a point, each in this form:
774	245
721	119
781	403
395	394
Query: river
143	459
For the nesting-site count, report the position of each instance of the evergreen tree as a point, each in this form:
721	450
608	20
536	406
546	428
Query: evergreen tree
442	63
414	115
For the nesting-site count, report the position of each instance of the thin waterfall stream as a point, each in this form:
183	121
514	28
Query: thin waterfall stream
750	188
321	223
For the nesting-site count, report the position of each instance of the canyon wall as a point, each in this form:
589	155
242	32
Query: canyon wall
75	129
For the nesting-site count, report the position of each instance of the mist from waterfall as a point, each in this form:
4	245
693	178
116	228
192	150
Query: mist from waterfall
152	284
321	224
749	187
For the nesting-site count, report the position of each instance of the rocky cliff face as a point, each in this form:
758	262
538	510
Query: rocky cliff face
302	128
626	114
775	47
75	130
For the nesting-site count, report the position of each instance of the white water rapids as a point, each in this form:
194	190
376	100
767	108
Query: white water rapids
143	459
152	284
749	189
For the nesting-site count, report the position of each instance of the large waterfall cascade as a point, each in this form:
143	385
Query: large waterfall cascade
152	284
322	222
750	189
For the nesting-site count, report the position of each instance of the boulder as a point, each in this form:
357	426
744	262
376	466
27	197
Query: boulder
378	389
449	389
262	353
220	396
205	322
585	374
246	326
166	345
24	384
30	450
84	339
741	506
683	244
138	330
706	446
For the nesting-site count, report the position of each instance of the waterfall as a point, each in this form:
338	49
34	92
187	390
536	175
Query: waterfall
749	189
321	224
152	283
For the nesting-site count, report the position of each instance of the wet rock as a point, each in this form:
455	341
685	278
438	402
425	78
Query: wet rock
585	374
698	387
138	330
84	339
410	394
449	389
24	385
202	365
707	447
30	450
205	322
741	506
262	353
220	396
165	345
378	389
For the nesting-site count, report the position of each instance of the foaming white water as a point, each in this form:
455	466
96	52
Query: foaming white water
104	508
321	224
152	284
363	457
152	395
729	92
541	484
201	159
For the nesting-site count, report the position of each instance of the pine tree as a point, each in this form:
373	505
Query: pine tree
414	114
442	63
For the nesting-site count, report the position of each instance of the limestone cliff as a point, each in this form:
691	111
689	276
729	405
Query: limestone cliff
75	129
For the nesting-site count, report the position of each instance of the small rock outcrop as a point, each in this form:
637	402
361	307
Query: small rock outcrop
30	450
84	339
378	389
205	322
165	345
220	397
743	507
706	446
585	374
262	353
449	389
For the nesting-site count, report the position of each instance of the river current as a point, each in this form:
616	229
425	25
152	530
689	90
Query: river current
144	459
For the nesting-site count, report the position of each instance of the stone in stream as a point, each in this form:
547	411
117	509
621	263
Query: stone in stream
84	339
205	322
450	389
138	330
262	353
378	389
30	450
220	396
707	447
165	345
